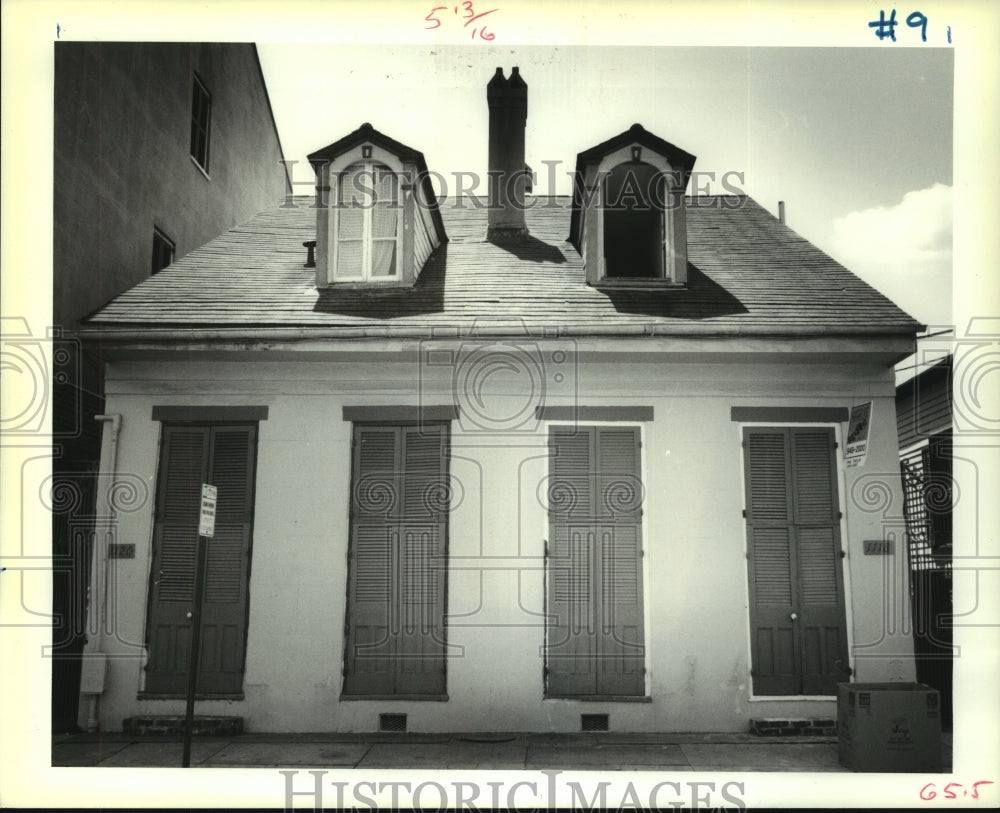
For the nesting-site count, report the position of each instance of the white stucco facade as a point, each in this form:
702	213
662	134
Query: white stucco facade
696	601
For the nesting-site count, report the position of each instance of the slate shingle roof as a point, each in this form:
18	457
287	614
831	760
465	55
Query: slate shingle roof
748	274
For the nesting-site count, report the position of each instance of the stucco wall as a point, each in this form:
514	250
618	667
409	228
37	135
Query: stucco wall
122	160
697	627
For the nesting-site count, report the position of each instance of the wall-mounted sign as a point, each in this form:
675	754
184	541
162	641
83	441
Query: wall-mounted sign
856	448
206	525
878	547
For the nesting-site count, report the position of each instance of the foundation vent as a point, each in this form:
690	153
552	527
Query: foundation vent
593	722
392	722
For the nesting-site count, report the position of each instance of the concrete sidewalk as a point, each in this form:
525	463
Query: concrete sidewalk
589	752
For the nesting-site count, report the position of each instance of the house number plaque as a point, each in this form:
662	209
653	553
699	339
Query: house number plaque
878	547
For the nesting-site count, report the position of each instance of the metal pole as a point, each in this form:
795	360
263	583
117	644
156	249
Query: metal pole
195	614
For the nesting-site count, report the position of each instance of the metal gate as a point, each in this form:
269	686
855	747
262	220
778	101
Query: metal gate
927	489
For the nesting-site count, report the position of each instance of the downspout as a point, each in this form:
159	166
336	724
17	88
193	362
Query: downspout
95	659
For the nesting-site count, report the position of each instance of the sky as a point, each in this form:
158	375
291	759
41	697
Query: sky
856	141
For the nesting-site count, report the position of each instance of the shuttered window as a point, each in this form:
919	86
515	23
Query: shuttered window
798	628
594	643
191	455
398	562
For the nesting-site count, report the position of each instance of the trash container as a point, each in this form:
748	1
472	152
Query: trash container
889	727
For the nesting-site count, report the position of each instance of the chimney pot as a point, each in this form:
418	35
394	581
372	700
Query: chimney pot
497	84
781	211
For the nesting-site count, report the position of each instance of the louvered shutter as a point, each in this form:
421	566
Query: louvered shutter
770	537
794	564
183	469
595	635
821	590
420	650
620	495
572	634
193	455
227	565
395	629
372	591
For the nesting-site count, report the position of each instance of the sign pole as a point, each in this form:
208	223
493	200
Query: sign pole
199	589
206	529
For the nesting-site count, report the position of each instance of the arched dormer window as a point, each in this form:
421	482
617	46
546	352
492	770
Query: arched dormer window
377	218
368	224
634	229
629	212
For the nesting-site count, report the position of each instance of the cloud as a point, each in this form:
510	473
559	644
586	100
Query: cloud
905	250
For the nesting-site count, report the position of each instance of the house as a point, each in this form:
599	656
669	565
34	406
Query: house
158	148
539	465
924	421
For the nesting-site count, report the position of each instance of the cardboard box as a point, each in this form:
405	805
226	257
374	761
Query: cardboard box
889	727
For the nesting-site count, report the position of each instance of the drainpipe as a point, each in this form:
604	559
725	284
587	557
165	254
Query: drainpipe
94	658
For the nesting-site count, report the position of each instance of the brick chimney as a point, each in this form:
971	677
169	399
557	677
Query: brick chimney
508	103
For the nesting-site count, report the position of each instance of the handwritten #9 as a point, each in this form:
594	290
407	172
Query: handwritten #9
467	12
887	27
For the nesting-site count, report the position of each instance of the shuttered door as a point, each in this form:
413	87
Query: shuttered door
595	638
222	456
396	588
798	631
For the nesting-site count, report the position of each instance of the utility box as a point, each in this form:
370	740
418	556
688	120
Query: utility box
889	727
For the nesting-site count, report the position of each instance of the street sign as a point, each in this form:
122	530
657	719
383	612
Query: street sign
206	525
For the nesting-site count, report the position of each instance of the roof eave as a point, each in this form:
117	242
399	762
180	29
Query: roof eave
127	334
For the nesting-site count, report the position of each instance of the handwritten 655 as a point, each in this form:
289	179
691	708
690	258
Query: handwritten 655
953	790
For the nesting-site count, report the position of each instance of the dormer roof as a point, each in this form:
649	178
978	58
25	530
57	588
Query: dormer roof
366	134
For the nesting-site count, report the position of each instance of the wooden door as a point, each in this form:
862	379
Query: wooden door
223	456
594	641
797	618
395	642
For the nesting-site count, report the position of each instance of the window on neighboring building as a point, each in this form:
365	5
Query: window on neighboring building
222	455
595	645
798	629
634	228
163	251
201	121
368	221
397	575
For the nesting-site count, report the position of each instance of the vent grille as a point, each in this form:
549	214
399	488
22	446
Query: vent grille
593	722
392	722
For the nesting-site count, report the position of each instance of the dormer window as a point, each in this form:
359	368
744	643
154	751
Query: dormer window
368	224
634	234
377	218
628	219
